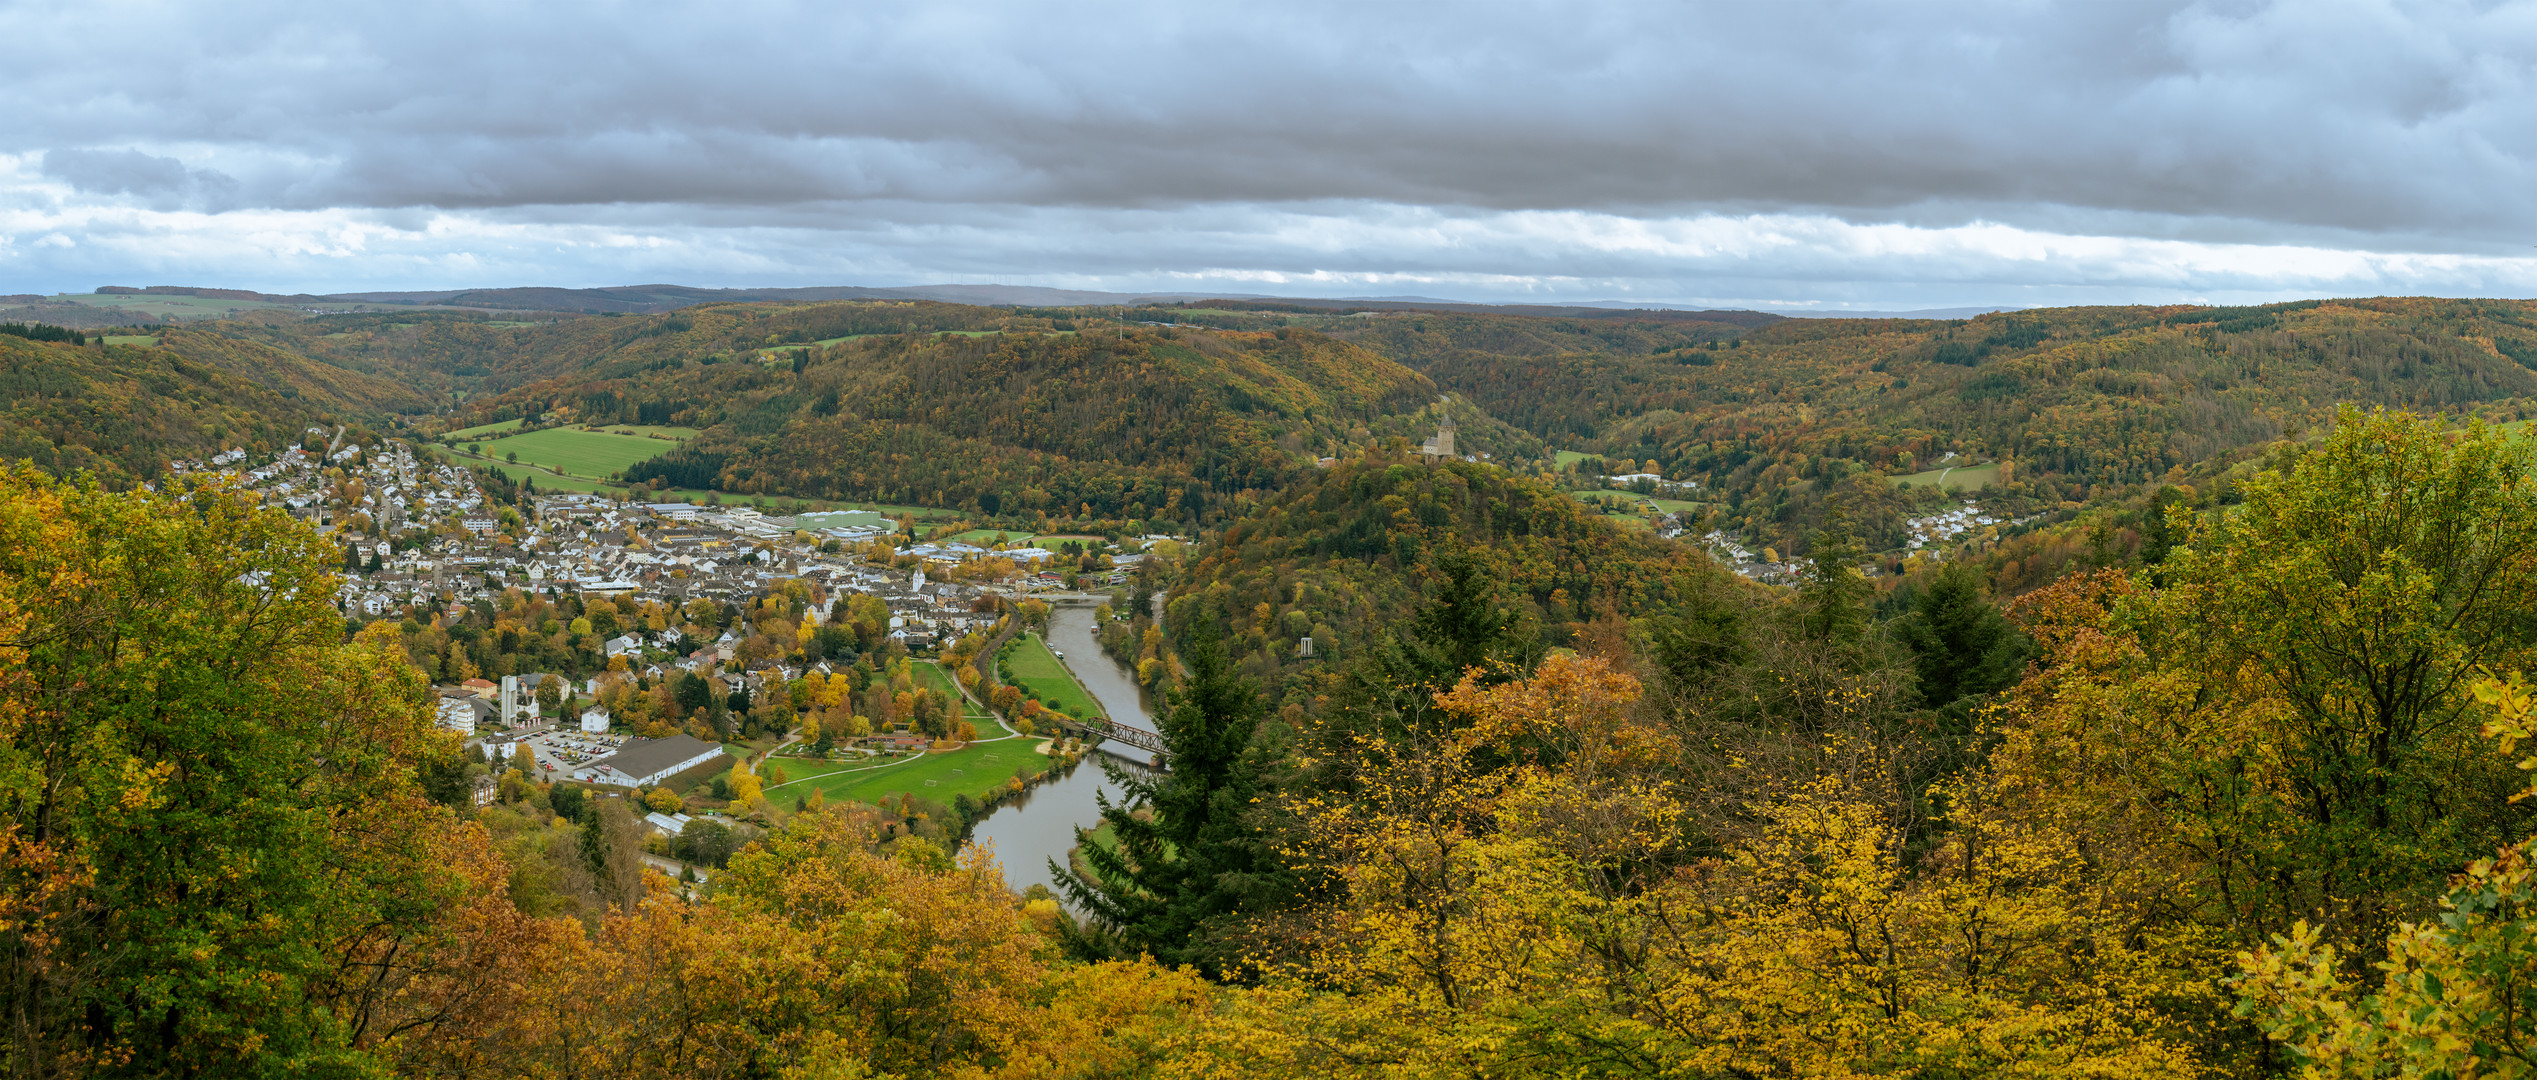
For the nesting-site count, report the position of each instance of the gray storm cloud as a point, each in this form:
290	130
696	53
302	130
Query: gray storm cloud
2371	126
2358	116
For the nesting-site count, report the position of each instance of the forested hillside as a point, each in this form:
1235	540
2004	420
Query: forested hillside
2080	400
126	410
2247	809
1347	554
1173	425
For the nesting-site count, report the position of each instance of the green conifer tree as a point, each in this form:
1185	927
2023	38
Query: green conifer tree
1962	648
1198	858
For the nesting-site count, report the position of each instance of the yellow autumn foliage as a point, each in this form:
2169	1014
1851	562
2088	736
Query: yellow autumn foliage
1503	910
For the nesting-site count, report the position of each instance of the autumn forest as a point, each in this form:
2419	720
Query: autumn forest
2073	692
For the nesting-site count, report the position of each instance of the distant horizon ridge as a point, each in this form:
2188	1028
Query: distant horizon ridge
657	297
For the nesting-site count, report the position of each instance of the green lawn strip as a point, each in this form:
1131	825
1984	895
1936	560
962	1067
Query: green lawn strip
1674	506
976	770
989	536
799	769
1038	671
483	429
132	339
170	306
648	431
935	678
549	480
591	454
920	513
1565	458
1956	478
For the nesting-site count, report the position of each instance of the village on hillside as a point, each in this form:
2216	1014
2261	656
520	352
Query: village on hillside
724	602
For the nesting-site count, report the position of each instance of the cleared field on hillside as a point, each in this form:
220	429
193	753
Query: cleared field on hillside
592	454
482	430
171	307
1959	478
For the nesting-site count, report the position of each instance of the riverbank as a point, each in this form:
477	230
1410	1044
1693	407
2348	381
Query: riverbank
1030	832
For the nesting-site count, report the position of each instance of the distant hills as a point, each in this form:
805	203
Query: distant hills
1196	410
112	305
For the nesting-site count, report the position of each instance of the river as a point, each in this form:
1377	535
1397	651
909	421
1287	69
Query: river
1040	825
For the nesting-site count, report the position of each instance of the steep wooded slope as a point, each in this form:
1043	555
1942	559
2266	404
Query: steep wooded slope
2078	398
1153	424
1344	555
125	410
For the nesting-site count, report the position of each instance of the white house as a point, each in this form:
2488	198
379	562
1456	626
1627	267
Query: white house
459	715
595	720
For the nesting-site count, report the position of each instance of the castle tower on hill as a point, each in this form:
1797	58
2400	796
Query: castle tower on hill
1442	444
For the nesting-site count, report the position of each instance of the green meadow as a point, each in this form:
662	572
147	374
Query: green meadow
1037	669
976	770
593	454
483	430
1956	478
933	677
170	307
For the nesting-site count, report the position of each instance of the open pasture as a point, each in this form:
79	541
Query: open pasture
1955	478
592	454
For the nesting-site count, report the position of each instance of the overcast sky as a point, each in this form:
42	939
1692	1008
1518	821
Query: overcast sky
1756	153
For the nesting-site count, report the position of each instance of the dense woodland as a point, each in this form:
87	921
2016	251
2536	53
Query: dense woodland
2210	767
1775	420
125	411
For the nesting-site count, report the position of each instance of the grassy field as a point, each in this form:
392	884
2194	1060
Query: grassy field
592	454
988	536
1674	506
681	434
550	481
934	677
939	777
132	339
484	429
1956	478
920	513
171	307
1038	670
1565	458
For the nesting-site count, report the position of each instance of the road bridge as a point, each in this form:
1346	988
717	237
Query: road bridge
1136	737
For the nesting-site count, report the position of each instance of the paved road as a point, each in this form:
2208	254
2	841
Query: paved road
673	869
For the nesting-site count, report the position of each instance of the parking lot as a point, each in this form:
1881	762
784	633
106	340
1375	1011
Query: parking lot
564	751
